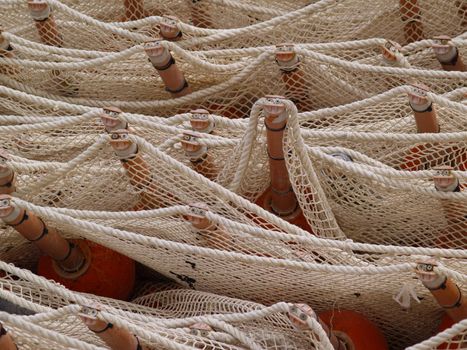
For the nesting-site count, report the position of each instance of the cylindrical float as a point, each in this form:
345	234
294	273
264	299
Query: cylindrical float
7	175
80	265
137	168
198	155
411	17
46	26
345	329
201	121
448	54
212	235
112	120
426	121
454	235
446	292
169	29
423	109
114	337
134	9
161	59
279	198
293	77
6	340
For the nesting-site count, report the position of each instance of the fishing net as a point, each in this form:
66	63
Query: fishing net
161	319
253	23
225	82
90	195
385	194
373	210
377	133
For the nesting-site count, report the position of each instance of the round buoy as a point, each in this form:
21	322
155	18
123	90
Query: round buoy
354	329
107	273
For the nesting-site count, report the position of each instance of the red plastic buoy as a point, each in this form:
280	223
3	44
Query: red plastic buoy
107	274
354	329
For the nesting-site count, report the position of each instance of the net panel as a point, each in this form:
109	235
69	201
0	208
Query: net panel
227	83
188	262
319	21
160	312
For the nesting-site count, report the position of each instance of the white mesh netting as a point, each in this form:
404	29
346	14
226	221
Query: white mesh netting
226	82
160	319
293	264
372	218
253	23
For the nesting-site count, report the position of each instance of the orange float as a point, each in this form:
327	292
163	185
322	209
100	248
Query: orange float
446	322
138	171
45	22
77	264
445	181
6	340
426	121
163	61
212	235
411	18
112	119
355	330
345	329
198	155
447	54
293	77
116	338
279	198
169	28
201	121
446	292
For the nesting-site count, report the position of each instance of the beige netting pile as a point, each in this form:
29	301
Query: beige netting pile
90	195
226	82
388	185
162	319
176	190
253	23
